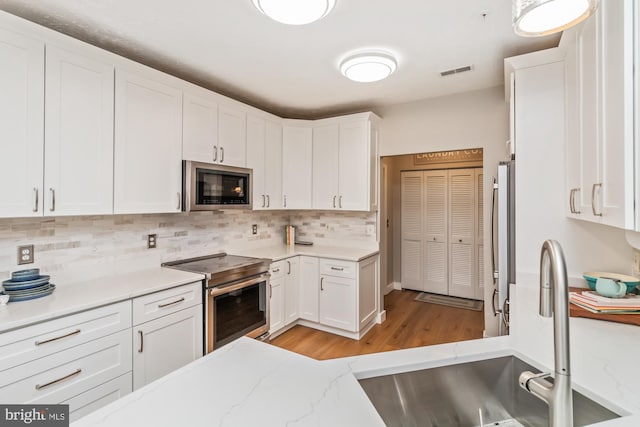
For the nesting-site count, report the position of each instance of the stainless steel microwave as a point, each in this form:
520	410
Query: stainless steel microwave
209	187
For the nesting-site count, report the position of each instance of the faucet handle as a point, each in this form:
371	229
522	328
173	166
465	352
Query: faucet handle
527	376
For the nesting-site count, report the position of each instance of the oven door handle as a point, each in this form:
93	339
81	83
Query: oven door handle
234	287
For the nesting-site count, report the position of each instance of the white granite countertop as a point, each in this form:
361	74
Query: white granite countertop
278	252
249	383
72	298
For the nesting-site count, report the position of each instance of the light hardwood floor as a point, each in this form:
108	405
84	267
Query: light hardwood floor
409	324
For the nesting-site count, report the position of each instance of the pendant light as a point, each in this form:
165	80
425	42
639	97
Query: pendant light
295	12
368	67
532	18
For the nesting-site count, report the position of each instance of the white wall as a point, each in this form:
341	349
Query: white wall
478	119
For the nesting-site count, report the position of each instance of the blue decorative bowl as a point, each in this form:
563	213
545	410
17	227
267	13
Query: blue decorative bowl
592	276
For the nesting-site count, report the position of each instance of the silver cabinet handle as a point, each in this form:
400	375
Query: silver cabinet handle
66	377
35	202
493	303
221	154
179	201
141	342
270	291
571	194
77	331
593	199
264	201
53	200
289	267
171	303
215	153
321	286
268	201
337	268
334	201
285	201
340	202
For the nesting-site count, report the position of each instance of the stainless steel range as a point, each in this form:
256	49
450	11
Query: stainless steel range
236	296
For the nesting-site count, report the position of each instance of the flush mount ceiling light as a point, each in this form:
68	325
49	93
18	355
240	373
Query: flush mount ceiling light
368	67
533	18
295	12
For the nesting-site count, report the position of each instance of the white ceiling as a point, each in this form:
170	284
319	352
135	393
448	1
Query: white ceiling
230	47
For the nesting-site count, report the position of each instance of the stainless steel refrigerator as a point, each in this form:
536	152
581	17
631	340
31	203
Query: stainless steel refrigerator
503	241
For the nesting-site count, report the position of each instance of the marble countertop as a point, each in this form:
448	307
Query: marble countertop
252	383
278	252
72	298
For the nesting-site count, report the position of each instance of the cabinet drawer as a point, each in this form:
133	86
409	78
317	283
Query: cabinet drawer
276	269
338	268
65	374
40	340
99	396
160	304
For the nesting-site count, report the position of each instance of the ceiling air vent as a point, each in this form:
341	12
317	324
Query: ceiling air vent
456	70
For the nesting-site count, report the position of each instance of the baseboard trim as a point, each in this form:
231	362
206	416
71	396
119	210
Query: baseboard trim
381	317
397	286
388	288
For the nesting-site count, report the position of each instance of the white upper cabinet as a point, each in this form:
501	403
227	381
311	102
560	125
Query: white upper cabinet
296	167
264	156
232	140
21	125
600	118
326	161
78	172
148	144
200	126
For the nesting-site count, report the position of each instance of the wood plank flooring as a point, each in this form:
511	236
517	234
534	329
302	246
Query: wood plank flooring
409	324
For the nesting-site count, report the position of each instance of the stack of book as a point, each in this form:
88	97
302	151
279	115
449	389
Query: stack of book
290	235
596	303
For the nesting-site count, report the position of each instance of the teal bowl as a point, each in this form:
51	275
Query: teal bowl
630	281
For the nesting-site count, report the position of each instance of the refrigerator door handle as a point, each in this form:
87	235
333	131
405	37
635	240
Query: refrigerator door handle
493	226
493	303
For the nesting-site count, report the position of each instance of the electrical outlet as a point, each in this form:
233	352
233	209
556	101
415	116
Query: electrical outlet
254	229
25	254
151	241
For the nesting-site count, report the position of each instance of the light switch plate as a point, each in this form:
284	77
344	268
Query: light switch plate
254	229
152	239
25	254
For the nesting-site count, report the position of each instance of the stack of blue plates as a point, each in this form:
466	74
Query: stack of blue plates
27	284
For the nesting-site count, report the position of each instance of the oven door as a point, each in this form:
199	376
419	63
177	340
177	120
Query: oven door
237	309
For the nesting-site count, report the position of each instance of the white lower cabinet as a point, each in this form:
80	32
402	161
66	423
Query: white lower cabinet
276	302
99	396
309	287
171	334
291	289
338	302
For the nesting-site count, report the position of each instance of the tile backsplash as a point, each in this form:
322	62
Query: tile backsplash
71	249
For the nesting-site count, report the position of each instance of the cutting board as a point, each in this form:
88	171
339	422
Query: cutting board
575	311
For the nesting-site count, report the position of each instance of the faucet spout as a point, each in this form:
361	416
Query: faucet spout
554	301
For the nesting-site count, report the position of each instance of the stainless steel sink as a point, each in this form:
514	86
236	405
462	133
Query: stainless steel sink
451	396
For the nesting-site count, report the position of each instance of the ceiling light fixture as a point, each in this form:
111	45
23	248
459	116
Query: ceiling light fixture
295	12
368	67
532	18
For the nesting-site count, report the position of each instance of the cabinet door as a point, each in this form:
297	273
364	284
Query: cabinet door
614	193
367	290
21	125
256	160
232	139
148	145
436	240
309	288
296	167
461	233
291	291
326	159
412	245
338	302
166	344
273	165
355	167
200	127
276	305
79	97
573	134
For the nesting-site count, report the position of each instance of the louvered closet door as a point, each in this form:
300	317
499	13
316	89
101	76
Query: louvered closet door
462	233
480	234
412	230
435	223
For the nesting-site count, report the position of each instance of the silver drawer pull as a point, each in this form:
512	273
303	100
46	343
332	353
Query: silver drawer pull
171	303
141	342
321	282
66	377
337	268
77	331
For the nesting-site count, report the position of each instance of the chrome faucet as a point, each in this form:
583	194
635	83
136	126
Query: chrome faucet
554	301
